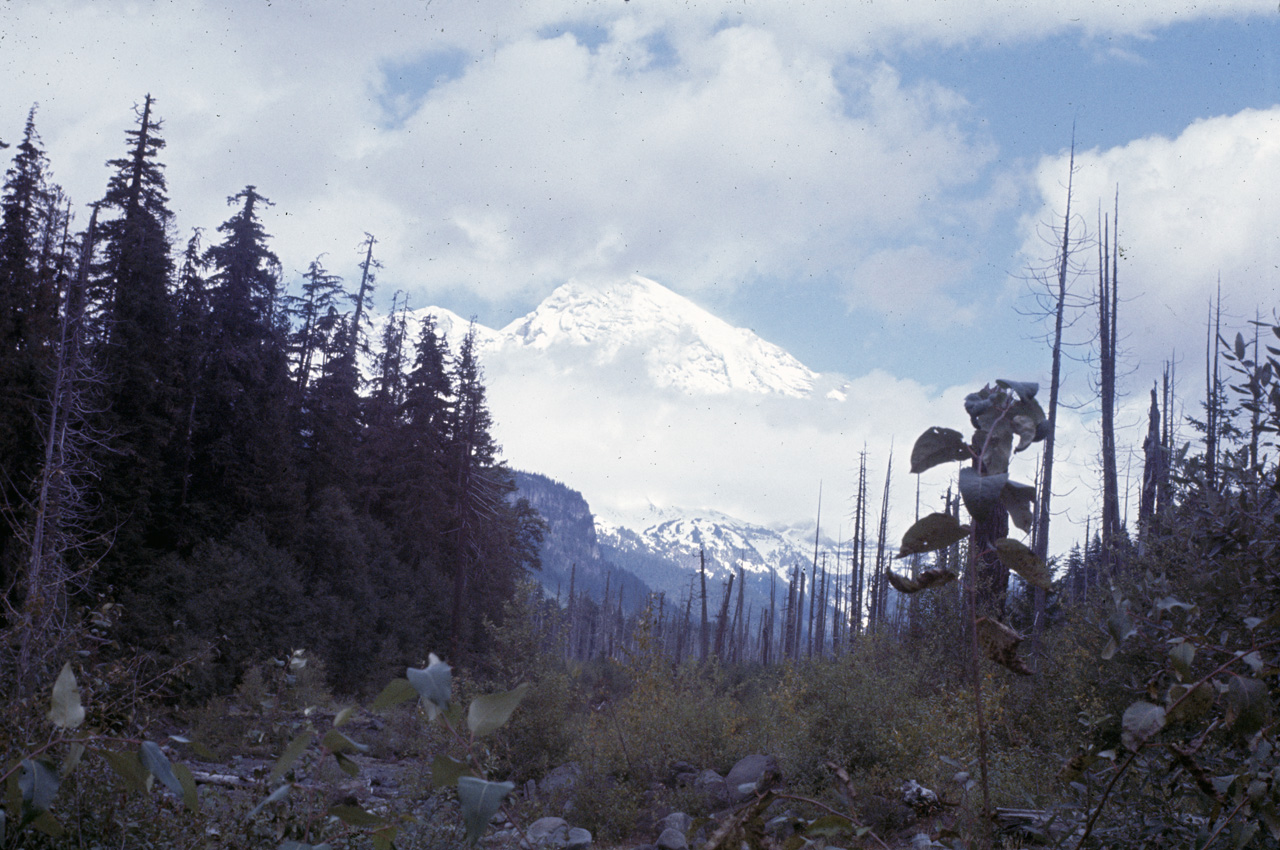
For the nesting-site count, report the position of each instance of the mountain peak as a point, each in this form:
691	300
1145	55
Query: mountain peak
683	345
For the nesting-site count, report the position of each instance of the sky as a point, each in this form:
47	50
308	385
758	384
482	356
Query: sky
867	184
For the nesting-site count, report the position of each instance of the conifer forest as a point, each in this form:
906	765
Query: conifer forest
268	581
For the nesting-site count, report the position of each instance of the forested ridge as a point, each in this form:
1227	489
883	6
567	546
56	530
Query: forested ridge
188	434
225	504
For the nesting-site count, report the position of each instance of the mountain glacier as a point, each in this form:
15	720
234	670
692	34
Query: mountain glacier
682	345
620	368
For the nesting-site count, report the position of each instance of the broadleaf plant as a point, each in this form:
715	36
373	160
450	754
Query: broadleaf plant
998	414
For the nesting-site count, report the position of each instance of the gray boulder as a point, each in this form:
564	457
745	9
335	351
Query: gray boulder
678	821
579	839
672	839
749	771
561	781
551	833
713	787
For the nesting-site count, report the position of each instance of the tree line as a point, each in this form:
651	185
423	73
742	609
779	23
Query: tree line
228	465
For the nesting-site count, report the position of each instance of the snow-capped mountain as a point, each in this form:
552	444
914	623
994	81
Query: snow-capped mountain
668	551
682	345
614	387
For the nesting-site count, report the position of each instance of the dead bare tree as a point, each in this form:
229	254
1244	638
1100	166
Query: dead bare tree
1108	304
1051	288
62	546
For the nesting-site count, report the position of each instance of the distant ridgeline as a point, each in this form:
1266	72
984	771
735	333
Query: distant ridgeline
570	550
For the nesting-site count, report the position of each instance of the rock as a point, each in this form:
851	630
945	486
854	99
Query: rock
781	827
713	786
678	821
919	797
672	839
561	781
579	839
750	771
549	832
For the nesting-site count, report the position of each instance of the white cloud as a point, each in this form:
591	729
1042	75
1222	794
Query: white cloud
1204	204
699	142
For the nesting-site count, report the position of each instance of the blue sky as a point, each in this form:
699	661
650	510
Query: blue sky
860	183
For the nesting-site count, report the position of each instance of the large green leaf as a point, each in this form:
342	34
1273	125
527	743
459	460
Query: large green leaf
1181	654
930	533
72	759
1025	416
39	784
1120	626
157	764
274	797
924	581
829	826
446	770
480	800
1000	644
1186	704
937	446
336	742
45	822
396	692
1019	500
291	754
65	710
981	493
129	768
489	712
434	683
981	408
190	796
1016	556
1024	389
1141	721
1248	706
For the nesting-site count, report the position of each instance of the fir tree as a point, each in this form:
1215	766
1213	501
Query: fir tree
27	323
135	352
242	459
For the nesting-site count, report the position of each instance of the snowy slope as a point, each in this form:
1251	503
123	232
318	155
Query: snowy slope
681	347
684	346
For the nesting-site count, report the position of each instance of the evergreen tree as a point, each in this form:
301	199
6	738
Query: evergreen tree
191	351
408	468
27	324
316	317
382	409
242	459
135	353
331	417
487	529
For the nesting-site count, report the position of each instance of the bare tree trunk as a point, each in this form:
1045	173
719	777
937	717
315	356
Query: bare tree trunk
858	579
1107	305
740	628
1212	392
59	525
722	620
366	284
799	632
1040	539
705	639
880	589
